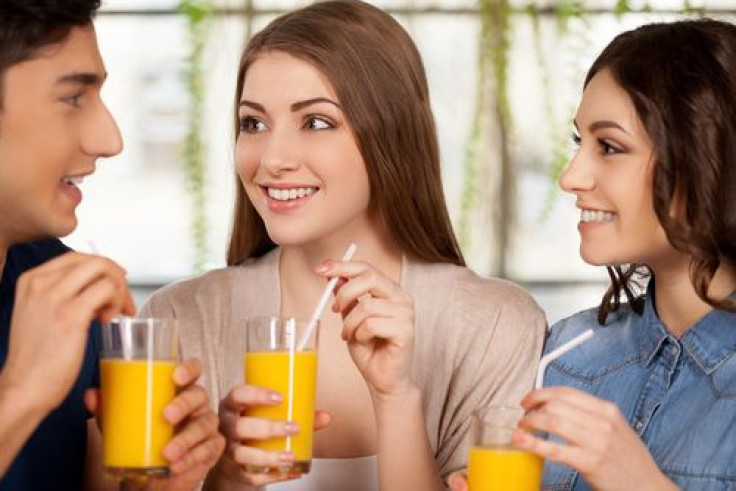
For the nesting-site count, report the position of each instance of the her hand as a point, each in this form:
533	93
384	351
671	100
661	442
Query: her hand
458	481
239	429
378	325
599	442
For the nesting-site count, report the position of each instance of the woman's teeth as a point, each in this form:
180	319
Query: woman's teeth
72	181
594	216
288	194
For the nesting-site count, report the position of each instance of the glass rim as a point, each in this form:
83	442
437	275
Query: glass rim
143	321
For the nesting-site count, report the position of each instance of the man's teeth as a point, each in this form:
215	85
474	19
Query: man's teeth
287	194
596	216
73	181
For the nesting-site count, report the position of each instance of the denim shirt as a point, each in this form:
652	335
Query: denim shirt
678	395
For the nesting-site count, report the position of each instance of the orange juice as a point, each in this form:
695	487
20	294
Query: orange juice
503	468
134	394
272	370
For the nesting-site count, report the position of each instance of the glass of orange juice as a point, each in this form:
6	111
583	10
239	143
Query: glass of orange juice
281	355
136	380
494	463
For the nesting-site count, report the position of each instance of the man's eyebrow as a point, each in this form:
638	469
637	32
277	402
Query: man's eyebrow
82	78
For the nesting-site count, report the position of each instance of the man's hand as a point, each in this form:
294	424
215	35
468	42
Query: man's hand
54	305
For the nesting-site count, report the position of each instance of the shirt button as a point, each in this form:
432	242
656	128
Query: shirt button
638	426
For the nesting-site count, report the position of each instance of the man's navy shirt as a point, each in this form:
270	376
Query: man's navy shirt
54	456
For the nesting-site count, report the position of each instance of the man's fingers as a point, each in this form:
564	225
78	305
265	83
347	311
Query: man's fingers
92	400
185	404
187	372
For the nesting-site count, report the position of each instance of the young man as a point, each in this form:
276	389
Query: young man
53	127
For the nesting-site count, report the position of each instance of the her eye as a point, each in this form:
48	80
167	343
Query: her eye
576	139
316	123
251	125
608	148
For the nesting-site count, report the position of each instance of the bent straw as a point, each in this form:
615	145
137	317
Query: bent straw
556	353
317	314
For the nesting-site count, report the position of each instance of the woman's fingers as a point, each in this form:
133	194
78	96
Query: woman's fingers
256	458
244	396
248	428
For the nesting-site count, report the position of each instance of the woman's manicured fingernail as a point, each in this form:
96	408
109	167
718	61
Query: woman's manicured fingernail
291	428
274	397
322	267
286	457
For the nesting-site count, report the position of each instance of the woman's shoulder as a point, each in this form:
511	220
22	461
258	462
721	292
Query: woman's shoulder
613	345
214	284
466	290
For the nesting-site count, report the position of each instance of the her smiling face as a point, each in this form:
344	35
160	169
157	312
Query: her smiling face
296	155
611	176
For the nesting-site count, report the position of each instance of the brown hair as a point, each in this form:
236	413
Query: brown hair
379	79
681	78
29	25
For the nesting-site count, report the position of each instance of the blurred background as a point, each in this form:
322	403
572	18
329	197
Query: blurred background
505	78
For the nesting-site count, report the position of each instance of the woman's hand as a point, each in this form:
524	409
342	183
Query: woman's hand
458	481
239	430
599	442
378	325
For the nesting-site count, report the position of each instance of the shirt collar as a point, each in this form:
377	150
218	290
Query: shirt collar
710	341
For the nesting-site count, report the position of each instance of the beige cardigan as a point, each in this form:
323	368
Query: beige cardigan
477	340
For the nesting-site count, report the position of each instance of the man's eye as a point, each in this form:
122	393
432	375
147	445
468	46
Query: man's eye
73	100
316	123
251	125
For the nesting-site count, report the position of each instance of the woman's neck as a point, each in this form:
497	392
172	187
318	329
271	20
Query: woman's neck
678	305
301	287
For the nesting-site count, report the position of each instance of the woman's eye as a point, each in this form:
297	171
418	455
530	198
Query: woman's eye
608	148
315	123
251	125
575	139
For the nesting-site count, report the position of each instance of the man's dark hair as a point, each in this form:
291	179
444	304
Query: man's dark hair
29	25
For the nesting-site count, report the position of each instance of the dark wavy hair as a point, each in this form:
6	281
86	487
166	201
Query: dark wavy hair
29	25
378	76
681	77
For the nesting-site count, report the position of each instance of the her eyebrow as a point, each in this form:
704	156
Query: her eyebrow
297	106
317	100
598	125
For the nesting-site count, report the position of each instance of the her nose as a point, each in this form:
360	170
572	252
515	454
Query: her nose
281	153
577	176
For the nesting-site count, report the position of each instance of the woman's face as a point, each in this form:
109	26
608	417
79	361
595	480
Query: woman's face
611	176
296	155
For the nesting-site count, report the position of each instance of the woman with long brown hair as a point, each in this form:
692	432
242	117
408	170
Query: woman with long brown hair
336	144
650	401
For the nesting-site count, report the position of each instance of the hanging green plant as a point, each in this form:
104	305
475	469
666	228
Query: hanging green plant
198	14
492	113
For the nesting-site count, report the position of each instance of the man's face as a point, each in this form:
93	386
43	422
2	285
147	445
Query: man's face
53	127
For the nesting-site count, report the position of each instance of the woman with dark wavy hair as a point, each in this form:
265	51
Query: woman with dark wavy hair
650	401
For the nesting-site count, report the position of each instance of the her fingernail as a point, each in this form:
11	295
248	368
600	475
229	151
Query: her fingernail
286	457
291	428
274	397
322	268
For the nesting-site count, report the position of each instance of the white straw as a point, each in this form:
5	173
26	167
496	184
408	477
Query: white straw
317	314
556	353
